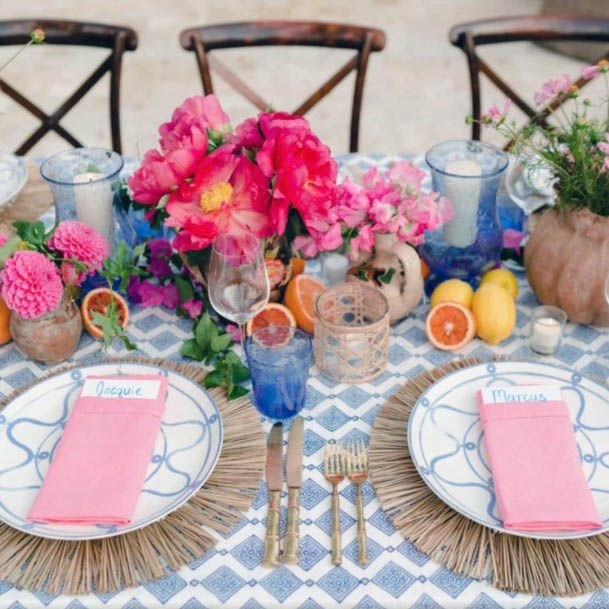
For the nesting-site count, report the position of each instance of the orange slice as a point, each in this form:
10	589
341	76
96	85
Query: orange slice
300	297
98	301
298	266
450	326
273	314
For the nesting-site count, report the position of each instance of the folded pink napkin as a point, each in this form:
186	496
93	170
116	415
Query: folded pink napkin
101	461
537	475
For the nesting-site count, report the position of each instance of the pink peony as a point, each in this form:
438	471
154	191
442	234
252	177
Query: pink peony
154	179
205	108
193	307
31	284
228	194
247	135
73	239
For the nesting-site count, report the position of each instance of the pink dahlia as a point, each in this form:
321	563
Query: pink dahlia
73	239
31	285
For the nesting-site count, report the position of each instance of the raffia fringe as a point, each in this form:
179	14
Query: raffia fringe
106	565
516	564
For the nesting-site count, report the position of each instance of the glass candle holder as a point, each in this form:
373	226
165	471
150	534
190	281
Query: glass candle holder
279	358
547	329
351	332
84	182
467	173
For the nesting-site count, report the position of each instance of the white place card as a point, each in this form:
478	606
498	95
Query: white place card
519	394
113	388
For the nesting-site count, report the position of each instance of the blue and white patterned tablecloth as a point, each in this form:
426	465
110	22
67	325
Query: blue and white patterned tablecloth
397	575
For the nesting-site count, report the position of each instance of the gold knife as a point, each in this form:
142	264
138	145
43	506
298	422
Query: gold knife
294	477
273	480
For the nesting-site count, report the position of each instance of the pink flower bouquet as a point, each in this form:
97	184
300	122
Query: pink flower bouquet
37	266
393	202
270	173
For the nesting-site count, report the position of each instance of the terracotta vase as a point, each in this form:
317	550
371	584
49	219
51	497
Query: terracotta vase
395	269
50	338
567	264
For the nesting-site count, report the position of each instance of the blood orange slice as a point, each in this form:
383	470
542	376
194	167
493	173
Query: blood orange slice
450	326
98	300
275	270
300	297
273	314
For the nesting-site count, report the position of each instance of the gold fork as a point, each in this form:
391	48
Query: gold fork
334	470
357	470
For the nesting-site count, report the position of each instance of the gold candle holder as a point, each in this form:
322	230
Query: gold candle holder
351	333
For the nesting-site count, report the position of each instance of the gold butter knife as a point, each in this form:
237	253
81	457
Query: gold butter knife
294	478
273	480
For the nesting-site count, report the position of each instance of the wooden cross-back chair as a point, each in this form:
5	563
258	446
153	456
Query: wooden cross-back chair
115	38
363	40
469	36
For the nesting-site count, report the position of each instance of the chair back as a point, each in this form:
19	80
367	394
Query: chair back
115	38
363	40
469	36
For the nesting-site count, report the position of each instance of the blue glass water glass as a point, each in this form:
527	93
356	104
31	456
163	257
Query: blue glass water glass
279	358
467	173
84	183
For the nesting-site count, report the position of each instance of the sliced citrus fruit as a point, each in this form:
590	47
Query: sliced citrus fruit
5	315
300	297
98	301
273	314
275	270
425	270
450	326
298	266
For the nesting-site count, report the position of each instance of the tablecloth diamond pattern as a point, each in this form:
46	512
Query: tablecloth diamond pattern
397	574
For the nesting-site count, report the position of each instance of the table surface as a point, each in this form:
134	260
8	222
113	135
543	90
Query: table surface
397	575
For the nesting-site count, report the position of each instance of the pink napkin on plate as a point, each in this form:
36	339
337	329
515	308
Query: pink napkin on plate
537	475
101	461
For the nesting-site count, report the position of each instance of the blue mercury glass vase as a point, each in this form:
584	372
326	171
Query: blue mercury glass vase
468	173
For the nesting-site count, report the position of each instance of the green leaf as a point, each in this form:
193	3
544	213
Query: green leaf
205	330
191	349
215	378
238	392
221	342
31	232
9	248
241	372
361	274
185	291
230	384
387	275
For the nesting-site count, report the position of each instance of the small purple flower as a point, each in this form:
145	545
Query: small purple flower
170	296
234	331
159	248
159	268
150	295
193	307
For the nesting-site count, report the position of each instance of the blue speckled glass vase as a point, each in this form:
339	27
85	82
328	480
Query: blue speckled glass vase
467	173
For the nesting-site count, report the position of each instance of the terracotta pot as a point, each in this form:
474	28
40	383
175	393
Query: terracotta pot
51	338
567	264
405	288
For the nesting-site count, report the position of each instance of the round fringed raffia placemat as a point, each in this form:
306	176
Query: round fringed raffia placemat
113	563
516	564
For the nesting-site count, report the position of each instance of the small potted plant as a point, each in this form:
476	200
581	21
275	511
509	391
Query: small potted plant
41	272
567	255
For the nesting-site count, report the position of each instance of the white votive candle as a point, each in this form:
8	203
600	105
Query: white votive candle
93	203
464	192
546	335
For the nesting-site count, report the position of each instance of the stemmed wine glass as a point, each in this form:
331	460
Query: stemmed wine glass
238	285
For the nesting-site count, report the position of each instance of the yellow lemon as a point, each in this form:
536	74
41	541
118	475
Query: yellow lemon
504	278
495	313
453	290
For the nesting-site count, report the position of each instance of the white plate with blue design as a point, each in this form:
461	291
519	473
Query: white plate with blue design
445	438
13	176
187	449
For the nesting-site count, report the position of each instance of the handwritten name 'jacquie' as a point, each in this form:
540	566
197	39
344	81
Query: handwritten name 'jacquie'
119	391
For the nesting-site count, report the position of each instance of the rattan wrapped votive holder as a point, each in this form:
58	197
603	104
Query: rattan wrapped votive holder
351	333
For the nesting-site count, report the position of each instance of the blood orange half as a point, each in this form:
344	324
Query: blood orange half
450	326
273	314
99	300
